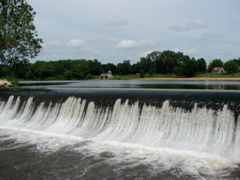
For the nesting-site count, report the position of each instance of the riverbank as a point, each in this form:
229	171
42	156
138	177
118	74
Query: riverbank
206	76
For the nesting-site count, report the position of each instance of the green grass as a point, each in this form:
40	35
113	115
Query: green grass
126	77
136	76
206	75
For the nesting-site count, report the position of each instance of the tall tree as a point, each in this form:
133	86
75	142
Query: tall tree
230	66
187	67
169	60
135	68
79	68
201	66
127	68
237	61
153	58
18	37
145	64
215	63
109	66
95	67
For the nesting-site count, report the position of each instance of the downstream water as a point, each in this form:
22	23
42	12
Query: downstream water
120	130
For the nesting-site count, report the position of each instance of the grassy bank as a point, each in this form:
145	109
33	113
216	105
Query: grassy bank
218	75
207	75
136	76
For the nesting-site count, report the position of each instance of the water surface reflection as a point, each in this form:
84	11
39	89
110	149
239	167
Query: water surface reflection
152	84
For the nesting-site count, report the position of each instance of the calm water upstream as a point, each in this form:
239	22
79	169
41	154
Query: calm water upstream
128	129
155	84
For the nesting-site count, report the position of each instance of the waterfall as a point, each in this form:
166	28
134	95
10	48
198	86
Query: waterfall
200	129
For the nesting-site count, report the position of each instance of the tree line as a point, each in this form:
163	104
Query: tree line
19	42
156	62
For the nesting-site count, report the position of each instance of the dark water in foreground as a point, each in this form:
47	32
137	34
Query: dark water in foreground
119	130
25	161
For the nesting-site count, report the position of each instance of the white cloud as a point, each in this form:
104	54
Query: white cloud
128	44
191	52
75	43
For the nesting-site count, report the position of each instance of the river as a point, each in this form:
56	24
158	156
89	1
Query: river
113	129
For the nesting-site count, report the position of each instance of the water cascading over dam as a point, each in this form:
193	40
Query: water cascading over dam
198	132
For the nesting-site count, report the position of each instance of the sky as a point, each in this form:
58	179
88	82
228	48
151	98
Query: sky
112	31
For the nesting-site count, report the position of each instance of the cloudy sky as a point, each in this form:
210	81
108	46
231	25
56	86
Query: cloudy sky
116	30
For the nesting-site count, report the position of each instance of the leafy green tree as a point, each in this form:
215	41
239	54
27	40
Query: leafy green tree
19	71
18	37
29	75
109	66
168	60
119	69
68	75
178	70
60	67
153	58
145	64
1	71
46	70
237	61
89	76
95	67
127	68
201	66
142	74
124	68
214	63
187	67
135	68
151	72
230	66
79	69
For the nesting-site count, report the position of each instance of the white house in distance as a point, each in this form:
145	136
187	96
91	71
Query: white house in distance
218	70
107	75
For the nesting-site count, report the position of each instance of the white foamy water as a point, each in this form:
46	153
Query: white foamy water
202	141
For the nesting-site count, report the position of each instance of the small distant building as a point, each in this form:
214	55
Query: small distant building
218	70
107	75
